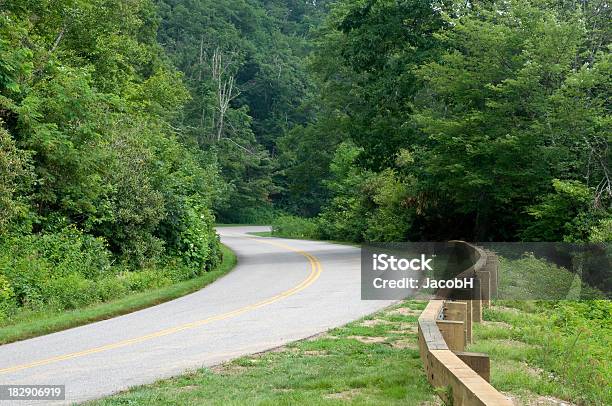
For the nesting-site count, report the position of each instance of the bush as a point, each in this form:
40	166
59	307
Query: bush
197	240
602	232
69	269
70	292
366	206
143	280
54	269
568	213
7	296
111	288
295	227
390	219
27	276
71	251
343	219
15	176
264	213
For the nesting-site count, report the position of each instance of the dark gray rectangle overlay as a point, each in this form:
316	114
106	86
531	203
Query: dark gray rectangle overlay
519	271
409	270
32	392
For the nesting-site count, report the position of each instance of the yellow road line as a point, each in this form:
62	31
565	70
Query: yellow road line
315	272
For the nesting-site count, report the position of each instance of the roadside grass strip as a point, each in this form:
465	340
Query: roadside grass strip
371	361
39	323
537	362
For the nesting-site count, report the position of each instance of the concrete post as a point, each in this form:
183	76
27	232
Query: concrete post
479	362
453	333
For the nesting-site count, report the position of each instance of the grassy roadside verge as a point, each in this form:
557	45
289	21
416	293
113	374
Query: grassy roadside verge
371	361
546	352
542	353
41	323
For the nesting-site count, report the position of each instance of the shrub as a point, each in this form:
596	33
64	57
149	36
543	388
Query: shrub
37	266
568	213
27	276
70	292
390	219
71	251
15	176
197	238
343	219
264	213
111	287
143	280
602	232
177	271
295	227
7	296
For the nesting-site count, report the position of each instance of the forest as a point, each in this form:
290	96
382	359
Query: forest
128	128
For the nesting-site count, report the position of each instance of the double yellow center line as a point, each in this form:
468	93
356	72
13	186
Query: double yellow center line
315	272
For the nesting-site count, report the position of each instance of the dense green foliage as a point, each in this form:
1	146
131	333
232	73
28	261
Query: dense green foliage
443	119
94	182
243	63
127	126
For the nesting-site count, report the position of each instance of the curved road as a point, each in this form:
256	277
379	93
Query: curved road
280	291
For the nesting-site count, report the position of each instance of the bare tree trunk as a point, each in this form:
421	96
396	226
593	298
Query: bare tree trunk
226	89
58	39
201	58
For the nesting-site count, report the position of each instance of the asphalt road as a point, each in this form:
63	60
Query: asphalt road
280	291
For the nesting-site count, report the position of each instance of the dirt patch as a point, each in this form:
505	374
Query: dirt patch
282	390
277	349
531	399
323	335
404	328
550	401
374	322
501	324
228	369
368	340
344	395
531	370
188	388
405	311
435	402
403	344
506	309
507	343
315	353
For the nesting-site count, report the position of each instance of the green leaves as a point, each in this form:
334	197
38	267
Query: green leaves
474	108
488	109
87	93
15	177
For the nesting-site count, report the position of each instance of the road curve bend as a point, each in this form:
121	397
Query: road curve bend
281	290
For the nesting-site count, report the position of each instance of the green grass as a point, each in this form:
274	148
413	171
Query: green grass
39	323
558	348
371	361
533	278
547	349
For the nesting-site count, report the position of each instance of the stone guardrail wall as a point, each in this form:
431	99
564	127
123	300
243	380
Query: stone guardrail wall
445	327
